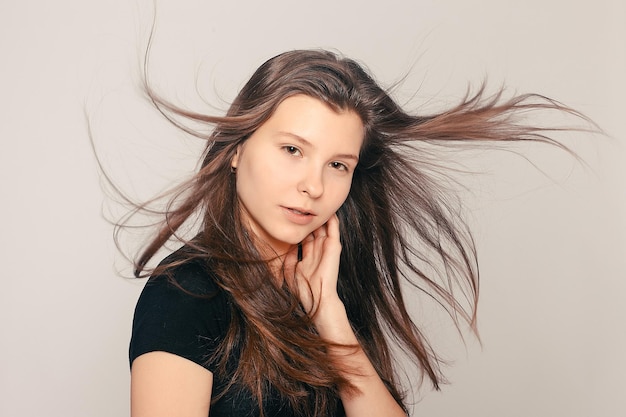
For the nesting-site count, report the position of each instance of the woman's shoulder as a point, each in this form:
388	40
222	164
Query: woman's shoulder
185	271
181	310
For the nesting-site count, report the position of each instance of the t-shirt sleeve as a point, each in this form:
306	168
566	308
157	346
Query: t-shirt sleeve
170	319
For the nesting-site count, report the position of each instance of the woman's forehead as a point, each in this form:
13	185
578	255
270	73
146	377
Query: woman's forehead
311	121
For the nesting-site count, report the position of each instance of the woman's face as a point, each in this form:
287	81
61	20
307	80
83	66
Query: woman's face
295	171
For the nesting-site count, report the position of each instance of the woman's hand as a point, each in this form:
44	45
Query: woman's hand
316	278
317	272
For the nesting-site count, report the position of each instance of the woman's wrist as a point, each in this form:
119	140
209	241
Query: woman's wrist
331	322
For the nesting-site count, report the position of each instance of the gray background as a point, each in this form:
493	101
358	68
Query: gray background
551	244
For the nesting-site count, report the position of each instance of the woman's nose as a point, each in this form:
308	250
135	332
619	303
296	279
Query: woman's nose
312	182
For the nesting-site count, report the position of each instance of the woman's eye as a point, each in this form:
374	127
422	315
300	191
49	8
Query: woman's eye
339	166
292	150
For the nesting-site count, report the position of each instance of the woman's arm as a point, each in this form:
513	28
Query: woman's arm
373	398
166	385
317	274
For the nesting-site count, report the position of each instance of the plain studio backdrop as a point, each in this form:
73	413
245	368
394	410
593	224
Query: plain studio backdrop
552	244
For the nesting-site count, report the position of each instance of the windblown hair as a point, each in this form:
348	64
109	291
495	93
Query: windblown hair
398	225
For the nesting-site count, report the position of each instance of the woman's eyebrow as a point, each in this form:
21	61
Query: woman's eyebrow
305	142
296	137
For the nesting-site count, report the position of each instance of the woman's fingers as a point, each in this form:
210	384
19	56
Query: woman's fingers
332	227
317	271
315	247
329	264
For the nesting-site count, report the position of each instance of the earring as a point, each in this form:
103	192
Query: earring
233	170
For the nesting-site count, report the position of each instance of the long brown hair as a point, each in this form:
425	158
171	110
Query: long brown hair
398	225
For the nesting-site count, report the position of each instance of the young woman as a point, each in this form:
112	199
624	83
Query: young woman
317	199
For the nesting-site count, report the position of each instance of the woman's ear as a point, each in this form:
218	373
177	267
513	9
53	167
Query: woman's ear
235	161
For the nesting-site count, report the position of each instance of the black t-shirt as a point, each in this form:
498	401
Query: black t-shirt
190	322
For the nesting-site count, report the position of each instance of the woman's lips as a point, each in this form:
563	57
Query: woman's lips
298	215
